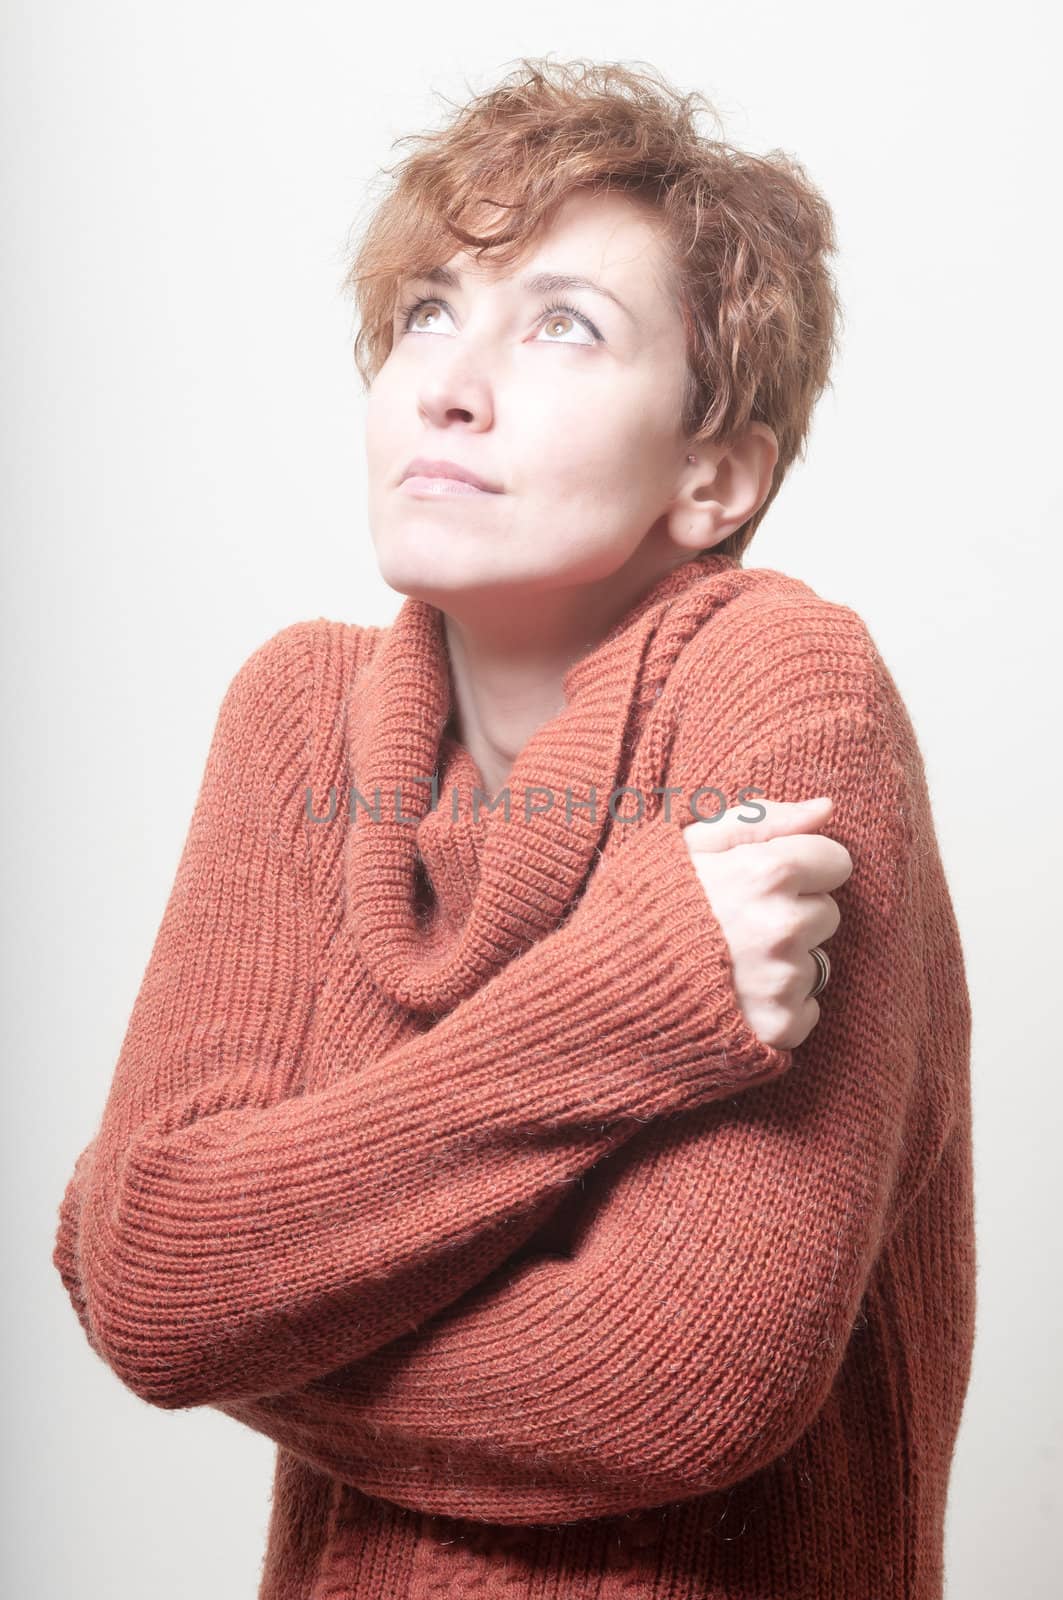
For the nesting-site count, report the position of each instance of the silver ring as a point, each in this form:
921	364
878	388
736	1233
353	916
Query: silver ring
822	960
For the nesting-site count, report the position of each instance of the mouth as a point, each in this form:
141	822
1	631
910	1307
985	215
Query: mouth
426	477
439	487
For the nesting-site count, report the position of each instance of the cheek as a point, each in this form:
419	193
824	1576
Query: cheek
384	435
612	460
390	388
584	438
610	415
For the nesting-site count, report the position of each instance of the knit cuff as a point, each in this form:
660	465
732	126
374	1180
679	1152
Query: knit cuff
661	929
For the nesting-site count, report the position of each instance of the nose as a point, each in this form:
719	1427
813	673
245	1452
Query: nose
457	388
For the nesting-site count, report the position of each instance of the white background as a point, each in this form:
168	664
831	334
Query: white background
184	474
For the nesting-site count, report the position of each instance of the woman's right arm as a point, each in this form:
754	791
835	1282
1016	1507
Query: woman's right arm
225	1234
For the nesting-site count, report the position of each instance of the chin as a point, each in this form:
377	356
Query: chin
429	565
424	575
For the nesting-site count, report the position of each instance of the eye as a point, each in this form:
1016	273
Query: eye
552	313
409	312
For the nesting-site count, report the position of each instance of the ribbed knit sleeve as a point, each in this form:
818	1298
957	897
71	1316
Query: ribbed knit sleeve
721	1256
232	1235
225	1000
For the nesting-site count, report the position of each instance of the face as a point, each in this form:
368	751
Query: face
568	401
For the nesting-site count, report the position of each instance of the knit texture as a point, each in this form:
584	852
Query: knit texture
439	1151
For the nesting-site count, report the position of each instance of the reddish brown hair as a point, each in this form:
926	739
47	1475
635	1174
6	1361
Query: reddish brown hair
747	236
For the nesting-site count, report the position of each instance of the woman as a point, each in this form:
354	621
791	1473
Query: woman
489	1132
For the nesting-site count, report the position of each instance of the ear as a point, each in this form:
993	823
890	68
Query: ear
722	487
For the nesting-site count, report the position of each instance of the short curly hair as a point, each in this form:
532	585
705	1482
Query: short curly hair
747	237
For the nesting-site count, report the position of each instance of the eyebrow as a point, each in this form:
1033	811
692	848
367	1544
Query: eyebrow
538	283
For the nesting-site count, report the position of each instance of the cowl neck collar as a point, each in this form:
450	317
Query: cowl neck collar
441	890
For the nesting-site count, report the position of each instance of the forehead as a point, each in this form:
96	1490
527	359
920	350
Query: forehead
611	237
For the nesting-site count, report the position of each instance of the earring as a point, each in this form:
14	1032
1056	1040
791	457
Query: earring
690	459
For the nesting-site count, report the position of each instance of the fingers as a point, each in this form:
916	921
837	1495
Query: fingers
795	863
781	817
818	919
807	1016
773	901
807	863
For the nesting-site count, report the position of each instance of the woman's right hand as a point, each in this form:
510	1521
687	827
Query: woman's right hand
768	883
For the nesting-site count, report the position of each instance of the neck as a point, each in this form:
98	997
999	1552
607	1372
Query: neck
508	662
500	695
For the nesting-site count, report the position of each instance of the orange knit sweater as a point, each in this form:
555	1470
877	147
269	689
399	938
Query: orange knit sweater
439	1151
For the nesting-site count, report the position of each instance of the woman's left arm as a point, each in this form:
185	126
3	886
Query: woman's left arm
721	1256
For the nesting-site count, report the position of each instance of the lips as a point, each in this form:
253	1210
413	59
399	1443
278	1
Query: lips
421	467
